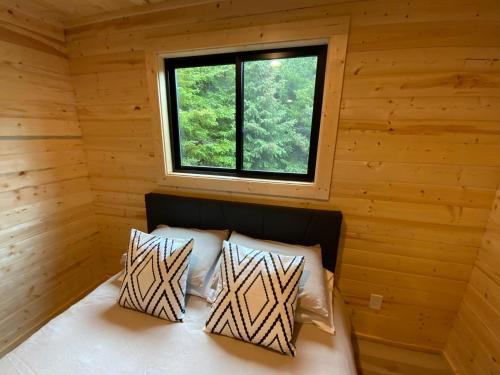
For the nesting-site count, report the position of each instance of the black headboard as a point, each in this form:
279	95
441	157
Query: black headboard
285	224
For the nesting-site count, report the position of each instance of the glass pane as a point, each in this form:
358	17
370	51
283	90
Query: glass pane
278	99
206	98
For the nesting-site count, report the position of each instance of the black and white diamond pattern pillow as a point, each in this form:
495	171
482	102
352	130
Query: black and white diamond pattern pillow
156	275
256	300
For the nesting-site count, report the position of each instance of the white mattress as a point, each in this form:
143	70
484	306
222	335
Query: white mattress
97	336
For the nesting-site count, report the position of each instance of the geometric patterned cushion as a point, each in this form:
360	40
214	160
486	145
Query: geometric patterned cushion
156	275
313	305
256	298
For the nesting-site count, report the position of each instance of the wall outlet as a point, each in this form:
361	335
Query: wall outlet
375	301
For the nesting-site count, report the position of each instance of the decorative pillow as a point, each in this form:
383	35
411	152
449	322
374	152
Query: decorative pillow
316	288
257	297
155	275
206	250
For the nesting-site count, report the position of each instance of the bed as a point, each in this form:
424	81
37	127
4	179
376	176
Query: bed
97	336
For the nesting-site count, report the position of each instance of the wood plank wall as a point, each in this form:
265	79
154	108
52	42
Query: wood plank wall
416	166
49	252
473	346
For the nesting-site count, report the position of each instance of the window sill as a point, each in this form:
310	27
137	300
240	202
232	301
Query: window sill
253	186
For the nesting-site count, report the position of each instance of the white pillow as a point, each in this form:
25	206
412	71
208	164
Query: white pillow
206	250
257	297
155	275
322	322
316	284
123	264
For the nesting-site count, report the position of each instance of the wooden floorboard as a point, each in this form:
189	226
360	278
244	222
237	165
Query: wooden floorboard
375	358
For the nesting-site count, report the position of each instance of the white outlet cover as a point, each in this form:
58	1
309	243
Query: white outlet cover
375	301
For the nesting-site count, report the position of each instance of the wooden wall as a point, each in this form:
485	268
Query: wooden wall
473	346
49	251
416	165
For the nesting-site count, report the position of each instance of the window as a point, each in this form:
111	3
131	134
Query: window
247	114
218	164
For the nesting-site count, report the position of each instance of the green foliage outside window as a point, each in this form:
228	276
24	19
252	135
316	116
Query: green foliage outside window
278	105
206	99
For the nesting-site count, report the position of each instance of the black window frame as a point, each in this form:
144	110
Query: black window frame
238	58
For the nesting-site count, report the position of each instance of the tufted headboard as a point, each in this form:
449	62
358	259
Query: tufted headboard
292	225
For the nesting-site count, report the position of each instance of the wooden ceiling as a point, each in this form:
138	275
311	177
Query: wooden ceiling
68	13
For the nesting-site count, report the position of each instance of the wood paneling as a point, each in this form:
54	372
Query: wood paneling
416	165
378	359
67	12
473	346
49	249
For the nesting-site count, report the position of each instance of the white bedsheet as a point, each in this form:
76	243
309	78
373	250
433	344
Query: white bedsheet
97	336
